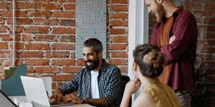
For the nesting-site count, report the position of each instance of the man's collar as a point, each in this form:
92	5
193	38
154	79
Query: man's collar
178	11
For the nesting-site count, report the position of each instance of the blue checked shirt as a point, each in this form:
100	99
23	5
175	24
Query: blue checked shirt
109	84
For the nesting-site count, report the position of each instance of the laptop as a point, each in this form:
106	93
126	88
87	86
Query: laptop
5	101
36	93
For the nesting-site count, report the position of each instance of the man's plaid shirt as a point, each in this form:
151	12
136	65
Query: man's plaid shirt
109	83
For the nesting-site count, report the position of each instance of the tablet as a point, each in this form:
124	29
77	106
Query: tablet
5	101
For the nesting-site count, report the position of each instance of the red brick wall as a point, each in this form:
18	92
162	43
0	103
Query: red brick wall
204	11
46	39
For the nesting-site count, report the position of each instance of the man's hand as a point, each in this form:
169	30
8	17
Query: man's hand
57	96
171	39
72	97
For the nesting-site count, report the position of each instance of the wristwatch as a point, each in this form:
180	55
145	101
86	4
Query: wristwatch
83	100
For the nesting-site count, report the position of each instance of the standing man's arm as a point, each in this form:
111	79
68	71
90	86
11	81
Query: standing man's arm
185	33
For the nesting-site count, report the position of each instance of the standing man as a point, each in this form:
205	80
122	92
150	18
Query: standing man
176	34
98	84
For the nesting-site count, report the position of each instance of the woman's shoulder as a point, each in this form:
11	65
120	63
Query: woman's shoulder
144	99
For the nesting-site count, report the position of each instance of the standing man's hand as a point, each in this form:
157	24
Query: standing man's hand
171	39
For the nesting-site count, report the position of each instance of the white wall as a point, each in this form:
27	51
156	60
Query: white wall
138	31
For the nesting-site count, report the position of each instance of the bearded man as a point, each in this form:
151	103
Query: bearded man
98	84
176	34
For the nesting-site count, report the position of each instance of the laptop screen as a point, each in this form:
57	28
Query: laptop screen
35	90
5	101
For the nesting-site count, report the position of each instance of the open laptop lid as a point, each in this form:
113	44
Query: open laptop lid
5	101
35	90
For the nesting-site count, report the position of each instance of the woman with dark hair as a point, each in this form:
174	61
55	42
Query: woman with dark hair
148	65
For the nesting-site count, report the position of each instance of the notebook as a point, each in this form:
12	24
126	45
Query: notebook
36	93
5	101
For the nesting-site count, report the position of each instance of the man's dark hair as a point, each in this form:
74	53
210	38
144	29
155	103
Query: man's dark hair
95	43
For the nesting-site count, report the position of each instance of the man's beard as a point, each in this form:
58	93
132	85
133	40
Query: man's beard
160	14
93	66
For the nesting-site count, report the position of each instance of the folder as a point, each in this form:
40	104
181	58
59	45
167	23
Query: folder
12	85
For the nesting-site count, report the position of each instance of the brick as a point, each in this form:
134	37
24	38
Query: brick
69	6
3	5
47	70
50	38
30	54
117	31
1	76
63	47
56	85
40	21
21	13
119	23
210	6
35	29
57	55
209	21
123	69
119	39
26	38
119	8
49	6
20	29
39	1
69	38
2	21
32	13
118	16
62	77
67	22
71	69
210	35
117	46
30	70
6	62
117	61
3	29
37	62
63	62
210	27
7	37
118	1
81	62
196	5
25	21
19	61
38	46
5	54
6	13
25	5
63	30
64	14
1	69
3	45
119	55
209	13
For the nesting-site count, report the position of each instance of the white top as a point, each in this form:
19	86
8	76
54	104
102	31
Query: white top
94	84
